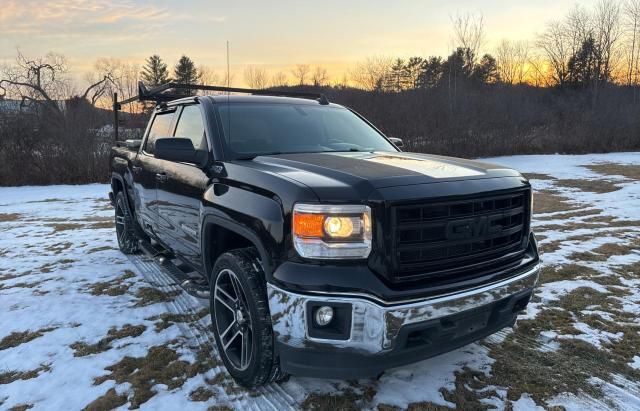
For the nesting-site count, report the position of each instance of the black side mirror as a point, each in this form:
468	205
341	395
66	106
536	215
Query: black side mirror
397	141
179	149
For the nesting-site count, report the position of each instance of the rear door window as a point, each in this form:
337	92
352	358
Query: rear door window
161	127
191	126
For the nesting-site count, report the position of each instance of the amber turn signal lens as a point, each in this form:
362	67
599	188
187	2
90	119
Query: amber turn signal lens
308	225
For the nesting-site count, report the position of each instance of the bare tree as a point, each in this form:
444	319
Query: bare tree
468	30
300	73
632	28
279	79
557	48
255	76
319	77
371	73
512	57
607	35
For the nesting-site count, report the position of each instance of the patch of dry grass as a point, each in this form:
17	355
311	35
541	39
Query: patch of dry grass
11	376
114	287
150	295
201	394
603	252
98	249
625	170
161	365
549	274
21	407
548	201
592	186
166	320
8	217
549	319
58	248
344	401
83	349
16	338
109	401
538	176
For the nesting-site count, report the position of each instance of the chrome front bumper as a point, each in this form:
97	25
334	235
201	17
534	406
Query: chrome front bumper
375	326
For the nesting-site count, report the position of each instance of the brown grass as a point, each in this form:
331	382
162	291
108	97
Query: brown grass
548	201
166	320
538	176
16	338
549	319
109	401
603	252
345	401
625	170
550	274
7	217
201	394
83	349
21	407
58	248
161	365
149	295
114	287
11	376
592	186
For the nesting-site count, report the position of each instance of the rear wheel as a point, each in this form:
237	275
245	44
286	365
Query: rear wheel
125	229
241	319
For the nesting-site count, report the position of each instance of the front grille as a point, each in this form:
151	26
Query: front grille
454	240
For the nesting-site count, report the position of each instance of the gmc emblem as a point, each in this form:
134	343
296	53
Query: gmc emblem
472	227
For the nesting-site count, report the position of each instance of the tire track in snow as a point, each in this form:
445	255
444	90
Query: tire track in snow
272	396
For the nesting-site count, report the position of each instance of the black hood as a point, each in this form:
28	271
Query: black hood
354	176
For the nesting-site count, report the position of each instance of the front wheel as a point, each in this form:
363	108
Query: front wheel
241	320
125	229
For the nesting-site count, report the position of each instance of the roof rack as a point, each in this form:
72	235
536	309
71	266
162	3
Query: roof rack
159	95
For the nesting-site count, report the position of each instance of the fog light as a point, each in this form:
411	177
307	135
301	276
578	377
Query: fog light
324	315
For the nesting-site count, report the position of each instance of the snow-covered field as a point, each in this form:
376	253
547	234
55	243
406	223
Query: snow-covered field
82	325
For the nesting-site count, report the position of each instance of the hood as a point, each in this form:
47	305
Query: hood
355	175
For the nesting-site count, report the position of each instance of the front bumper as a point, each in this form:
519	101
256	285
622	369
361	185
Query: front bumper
384	336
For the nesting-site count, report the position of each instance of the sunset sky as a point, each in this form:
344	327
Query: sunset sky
276	34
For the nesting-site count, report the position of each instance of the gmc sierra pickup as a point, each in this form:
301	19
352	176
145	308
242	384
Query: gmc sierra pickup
325	250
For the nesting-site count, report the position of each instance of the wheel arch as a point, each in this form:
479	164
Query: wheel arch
118	184
220	235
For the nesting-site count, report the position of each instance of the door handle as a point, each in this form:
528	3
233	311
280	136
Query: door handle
136	169
161	177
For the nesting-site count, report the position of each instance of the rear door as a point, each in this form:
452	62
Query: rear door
181	190
147	170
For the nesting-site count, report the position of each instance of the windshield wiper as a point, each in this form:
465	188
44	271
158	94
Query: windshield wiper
252	156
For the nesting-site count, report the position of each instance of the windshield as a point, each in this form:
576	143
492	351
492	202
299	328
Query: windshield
256	129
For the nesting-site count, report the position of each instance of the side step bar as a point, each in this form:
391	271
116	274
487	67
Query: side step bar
164	259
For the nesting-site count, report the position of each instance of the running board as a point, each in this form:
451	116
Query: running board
164	260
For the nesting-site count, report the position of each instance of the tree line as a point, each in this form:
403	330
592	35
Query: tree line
575	88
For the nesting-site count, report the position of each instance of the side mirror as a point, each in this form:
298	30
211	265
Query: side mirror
133	144
397	141
179	149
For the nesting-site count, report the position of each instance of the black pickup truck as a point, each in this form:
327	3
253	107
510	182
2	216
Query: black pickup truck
325	251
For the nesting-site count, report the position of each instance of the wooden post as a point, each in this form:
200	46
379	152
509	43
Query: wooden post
116	108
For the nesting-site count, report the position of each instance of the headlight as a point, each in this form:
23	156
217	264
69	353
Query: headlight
332	231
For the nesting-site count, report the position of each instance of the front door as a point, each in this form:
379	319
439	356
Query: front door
146	170
181	190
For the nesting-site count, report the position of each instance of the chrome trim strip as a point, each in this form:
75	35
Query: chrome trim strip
374	327
384	303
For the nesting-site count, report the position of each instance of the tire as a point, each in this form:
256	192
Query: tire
125	226
237	319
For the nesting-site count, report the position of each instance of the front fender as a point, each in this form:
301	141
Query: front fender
258	218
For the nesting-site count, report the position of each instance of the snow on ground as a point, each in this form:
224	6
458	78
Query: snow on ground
83	325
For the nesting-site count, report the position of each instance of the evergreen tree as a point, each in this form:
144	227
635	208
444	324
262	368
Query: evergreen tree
185	71
486	71
154	72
